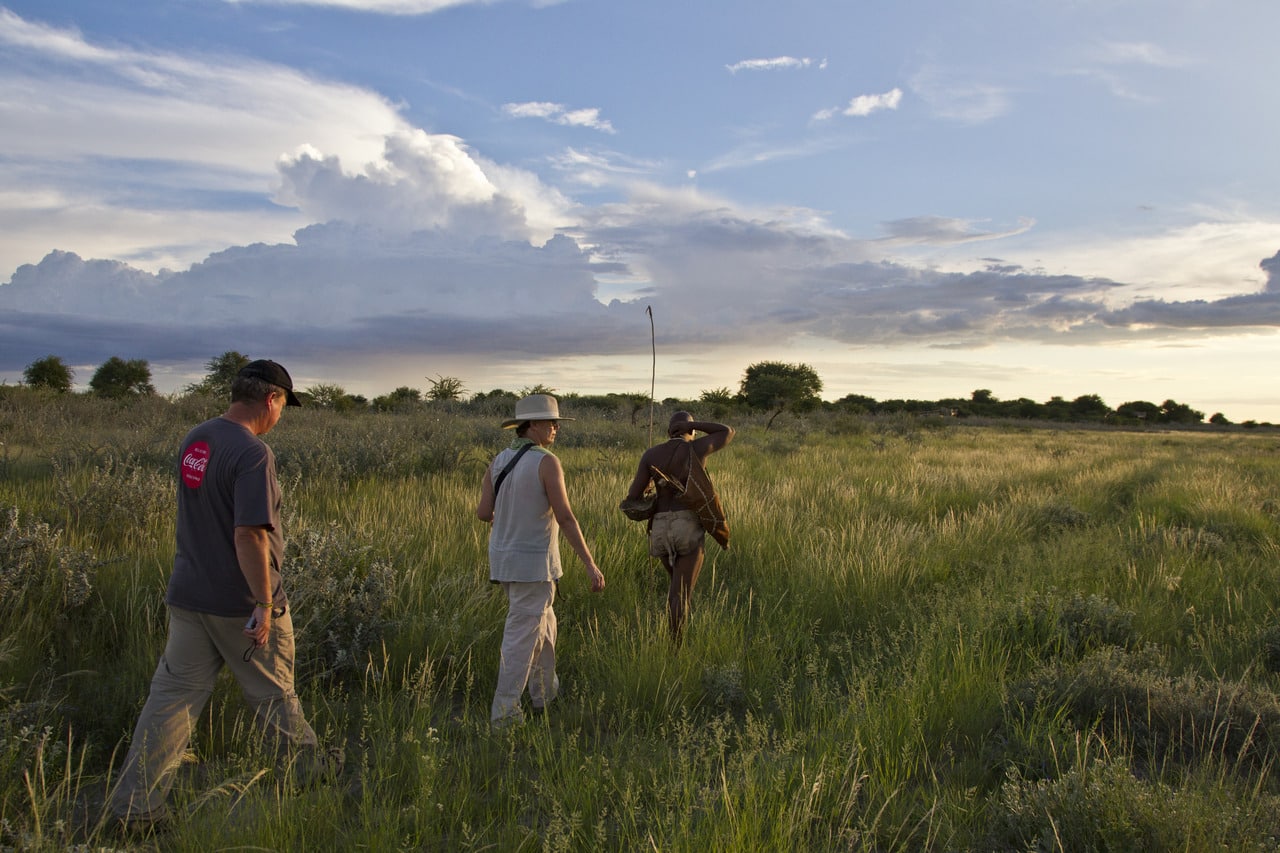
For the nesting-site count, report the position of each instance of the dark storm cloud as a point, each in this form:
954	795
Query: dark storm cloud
714	279
1247	310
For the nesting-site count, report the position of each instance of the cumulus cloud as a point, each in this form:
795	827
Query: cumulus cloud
560	114
424	181
134	148
864	105
230	113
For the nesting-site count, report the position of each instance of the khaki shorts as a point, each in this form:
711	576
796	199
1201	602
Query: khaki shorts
675	534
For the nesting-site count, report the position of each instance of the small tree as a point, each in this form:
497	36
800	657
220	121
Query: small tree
50	372
327	395
1172	412
1139	410
492	402
403	397
445	388
775	385
855	403
719	400
717	397
222	372
1089	406
117	378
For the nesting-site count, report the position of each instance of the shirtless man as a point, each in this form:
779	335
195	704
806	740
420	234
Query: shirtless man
676	537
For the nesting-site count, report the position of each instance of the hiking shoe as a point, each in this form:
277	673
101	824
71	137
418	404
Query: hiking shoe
507	721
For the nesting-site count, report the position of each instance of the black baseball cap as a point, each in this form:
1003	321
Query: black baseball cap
270	371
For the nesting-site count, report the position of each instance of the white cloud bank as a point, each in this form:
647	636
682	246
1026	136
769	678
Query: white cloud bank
455	273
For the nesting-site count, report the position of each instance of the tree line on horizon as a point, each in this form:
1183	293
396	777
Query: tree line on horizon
769	386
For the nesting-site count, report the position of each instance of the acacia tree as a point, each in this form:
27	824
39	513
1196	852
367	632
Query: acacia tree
444	388
116	378
719	400
776	385
222	372
50	372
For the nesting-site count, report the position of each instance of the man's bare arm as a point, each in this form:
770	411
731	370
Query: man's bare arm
253	553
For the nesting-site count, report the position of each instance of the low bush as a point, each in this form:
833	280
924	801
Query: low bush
341	593
1132	701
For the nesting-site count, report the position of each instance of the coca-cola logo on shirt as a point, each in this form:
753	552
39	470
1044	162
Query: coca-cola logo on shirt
195	459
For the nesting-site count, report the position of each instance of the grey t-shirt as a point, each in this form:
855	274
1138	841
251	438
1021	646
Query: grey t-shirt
226	479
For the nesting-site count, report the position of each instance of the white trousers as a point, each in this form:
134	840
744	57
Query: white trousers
528	649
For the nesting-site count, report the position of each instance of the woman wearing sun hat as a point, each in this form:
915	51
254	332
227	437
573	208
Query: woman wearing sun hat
523	495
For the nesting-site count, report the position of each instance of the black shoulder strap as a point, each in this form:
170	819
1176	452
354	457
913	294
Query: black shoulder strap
497	483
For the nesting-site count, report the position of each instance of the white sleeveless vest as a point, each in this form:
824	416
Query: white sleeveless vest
524	541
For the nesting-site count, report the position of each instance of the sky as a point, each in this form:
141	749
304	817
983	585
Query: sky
918	199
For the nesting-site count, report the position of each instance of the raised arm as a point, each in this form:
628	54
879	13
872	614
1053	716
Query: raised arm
717	436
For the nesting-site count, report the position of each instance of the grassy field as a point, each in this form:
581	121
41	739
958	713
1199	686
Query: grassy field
927	636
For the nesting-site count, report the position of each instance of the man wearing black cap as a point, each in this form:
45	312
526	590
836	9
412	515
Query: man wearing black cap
226	599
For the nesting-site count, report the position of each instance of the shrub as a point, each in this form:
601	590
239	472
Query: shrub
119	501
339	596
1061	515
1100	805
1133	701
1271	648
38	573
1051	624
1201	540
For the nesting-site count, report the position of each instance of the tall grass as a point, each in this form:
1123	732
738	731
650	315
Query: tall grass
926	636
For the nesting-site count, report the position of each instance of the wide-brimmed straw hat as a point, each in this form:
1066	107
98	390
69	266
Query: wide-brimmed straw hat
535	407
